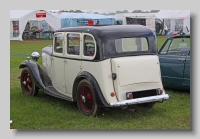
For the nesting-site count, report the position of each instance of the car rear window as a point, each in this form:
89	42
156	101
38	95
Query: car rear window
131	44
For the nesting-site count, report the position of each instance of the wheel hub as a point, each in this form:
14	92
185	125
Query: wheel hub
24	82
83	98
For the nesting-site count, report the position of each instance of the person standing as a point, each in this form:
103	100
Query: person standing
98	23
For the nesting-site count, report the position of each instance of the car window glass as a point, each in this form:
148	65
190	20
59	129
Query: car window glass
73	44
58	43
89	46
166	47
131	44
179	46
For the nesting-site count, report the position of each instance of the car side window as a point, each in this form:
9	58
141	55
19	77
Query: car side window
58	43
179	46
166	47
89	46
73	44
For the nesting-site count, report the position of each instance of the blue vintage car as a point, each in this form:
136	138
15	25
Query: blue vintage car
174	56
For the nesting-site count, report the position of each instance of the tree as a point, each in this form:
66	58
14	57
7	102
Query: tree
125	11
63	11
78	11
96	13
154	11
119	12
71	11
111	14
137	11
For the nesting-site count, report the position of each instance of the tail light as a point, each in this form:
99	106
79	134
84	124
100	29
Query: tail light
160	91
129	95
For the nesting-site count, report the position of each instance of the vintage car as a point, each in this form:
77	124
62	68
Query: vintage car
98	67
174	57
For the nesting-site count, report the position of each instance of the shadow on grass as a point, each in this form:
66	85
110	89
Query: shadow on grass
132	111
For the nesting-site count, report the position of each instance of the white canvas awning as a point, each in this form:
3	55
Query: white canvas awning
172	14
23	16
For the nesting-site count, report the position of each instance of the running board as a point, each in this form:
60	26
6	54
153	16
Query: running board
53	92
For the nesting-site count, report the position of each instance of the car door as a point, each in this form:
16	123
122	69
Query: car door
172	57
57	64
186	79
72	60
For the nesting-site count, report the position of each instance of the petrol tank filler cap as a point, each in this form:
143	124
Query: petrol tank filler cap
35	56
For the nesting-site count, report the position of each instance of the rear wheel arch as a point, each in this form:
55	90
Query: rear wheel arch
98	93
86	98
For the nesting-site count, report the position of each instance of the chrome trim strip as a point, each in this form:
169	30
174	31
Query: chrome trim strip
141	100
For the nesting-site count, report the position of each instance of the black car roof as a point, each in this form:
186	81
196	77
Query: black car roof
109	30
105	37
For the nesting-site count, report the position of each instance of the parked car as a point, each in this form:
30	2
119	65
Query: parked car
98	66
174	57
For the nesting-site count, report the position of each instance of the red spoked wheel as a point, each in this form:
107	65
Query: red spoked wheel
86	100
27	84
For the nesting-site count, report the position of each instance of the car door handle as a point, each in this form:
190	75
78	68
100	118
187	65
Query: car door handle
182	59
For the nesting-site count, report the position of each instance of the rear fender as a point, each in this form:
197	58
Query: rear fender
35	72
100	100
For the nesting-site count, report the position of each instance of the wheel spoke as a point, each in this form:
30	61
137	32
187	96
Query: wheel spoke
86	99
89	104
26	83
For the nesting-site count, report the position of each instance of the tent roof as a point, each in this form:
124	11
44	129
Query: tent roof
182	14
173	14
64	15
17	14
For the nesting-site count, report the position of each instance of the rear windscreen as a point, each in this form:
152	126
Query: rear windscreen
131	44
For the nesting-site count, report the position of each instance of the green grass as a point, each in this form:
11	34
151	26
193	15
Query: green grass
47	112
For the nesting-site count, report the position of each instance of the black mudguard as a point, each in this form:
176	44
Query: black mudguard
42	80
35	72
100	100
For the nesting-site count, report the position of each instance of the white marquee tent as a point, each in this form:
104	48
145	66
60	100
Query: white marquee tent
23	16
175	17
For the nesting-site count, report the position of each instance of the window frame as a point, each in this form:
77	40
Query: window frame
66	46
63	45
95	45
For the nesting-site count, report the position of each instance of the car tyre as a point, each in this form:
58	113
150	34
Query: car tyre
86	99
27	85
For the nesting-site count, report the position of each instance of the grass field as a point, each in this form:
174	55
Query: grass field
47	112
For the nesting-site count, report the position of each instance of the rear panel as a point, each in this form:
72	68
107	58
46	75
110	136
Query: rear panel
137	73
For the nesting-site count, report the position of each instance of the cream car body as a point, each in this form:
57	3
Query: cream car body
98	66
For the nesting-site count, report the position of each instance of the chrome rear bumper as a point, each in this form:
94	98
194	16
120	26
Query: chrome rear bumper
142	100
